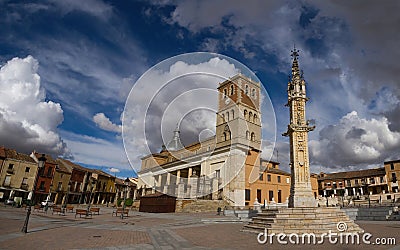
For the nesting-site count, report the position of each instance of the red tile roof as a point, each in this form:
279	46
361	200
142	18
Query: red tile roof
354	174
13	154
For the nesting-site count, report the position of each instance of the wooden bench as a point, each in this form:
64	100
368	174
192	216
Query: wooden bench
95	210
58	210
120	211
70	208
82	212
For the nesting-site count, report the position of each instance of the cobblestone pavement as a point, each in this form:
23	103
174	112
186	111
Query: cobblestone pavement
149	231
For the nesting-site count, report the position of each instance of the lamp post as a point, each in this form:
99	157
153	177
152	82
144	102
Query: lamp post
41	161
46	207
126	183
66	198
369	200
92	188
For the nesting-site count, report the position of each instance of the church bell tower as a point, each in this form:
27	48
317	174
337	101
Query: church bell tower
300	189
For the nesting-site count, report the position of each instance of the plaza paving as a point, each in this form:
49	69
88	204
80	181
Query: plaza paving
149	231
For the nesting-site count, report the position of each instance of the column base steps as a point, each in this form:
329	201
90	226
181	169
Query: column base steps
302	220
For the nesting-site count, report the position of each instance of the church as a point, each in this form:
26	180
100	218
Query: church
226	166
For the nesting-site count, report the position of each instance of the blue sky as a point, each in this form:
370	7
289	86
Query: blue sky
69	66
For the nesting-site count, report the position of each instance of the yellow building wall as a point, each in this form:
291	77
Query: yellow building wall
18	173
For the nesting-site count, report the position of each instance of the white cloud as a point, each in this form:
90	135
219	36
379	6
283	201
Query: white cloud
167	95
104	123
27	120
96	151
355	141
113	170
95	8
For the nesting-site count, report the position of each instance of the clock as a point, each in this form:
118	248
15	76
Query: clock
227	101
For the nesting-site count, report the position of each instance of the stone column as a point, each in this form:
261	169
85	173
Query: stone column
178	177
181	190
215	189
193	186
190	172
167	183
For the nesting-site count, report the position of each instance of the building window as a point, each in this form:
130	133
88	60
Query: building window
223	118
253	93
247	135
10	166
27	169
372	180
261	177
59	186
24	182
41	187
233	114
231	90
224	93
268	177
287	180
394	179
255	118
49	172
217	174
250	116
279	179
247	90
356	182
348	183
7	181
382	179
253	137
392	166
247	194
227	116
270	195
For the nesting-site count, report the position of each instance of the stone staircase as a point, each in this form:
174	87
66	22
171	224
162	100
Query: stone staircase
301	220
374	213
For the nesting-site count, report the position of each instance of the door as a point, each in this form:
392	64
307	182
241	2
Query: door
279	196
259	195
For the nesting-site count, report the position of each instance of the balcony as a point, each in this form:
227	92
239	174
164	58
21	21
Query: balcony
24	186
10	171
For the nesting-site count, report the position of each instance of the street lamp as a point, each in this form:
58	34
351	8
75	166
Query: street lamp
46	207
41	161
66	198
90	195
126	183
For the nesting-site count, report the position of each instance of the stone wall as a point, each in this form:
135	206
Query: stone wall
198	206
